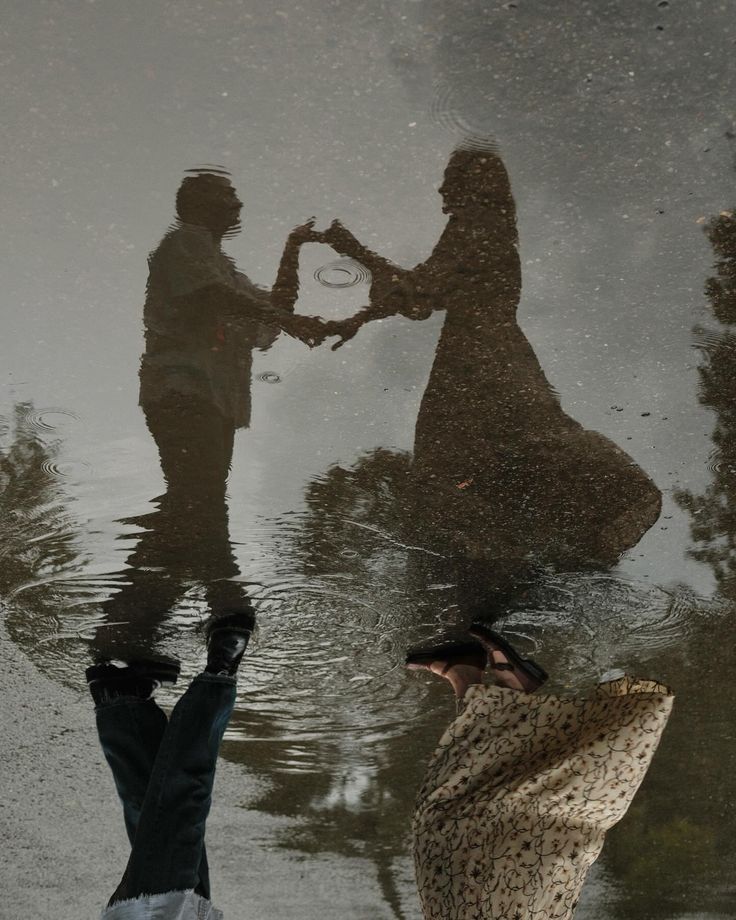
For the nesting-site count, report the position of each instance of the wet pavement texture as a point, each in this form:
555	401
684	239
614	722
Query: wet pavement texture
528	417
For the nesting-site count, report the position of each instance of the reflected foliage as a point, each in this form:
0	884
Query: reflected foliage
37	534
677	837
713	512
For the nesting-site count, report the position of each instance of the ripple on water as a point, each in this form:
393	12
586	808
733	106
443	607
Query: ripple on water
596	622
714	461
324	667
342	273
45	420
269	377
445	110
710	340
323	681
67	469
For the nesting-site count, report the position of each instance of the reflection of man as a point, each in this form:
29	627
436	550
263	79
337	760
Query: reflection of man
164	771
202	320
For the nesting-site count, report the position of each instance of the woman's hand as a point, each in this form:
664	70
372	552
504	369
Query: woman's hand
341	239
345	328
305	233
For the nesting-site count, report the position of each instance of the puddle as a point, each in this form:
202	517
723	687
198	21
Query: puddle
518	403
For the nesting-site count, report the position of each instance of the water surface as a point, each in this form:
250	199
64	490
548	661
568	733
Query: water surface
360	514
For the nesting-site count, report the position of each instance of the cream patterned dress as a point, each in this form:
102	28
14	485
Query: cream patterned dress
520	793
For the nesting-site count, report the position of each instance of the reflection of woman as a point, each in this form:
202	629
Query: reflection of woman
523	787
500	470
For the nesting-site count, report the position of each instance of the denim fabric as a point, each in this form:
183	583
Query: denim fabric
164	774
176	905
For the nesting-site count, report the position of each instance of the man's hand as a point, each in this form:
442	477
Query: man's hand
310	329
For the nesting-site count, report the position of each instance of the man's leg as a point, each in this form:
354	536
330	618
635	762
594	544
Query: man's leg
130	731
130	727
169	846
195	445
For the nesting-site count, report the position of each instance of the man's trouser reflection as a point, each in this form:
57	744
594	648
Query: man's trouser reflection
164	771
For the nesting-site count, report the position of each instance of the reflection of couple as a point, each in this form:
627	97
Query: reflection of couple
522	787
500	474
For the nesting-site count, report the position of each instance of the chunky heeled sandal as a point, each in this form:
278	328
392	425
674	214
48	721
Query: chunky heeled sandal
452	653
527	668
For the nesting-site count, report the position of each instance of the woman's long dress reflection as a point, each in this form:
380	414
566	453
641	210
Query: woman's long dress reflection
500	473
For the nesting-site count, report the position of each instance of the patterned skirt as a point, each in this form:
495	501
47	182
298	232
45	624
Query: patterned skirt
520	793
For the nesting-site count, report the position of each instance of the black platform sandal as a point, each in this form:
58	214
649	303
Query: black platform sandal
461	652
528	671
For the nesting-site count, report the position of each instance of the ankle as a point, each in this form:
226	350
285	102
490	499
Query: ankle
462	677
225	651
107	691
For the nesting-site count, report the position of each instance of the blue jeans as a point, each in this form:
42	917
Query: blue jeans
164	773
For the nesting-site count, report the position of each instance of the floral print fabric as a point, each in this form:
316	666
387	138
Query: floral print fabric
520	793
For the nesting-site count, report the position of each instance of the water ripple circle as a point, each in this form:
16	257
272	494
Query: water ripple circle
444	110
67	469
342	273
43	419
269	377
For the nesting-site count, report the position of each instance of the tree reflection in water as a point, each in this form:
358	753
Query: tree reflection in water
38	536
713	513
